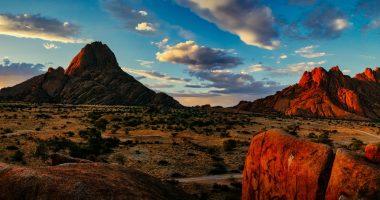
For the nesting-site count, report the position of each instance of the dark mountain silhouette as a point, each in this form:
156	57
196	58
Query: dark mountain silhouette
329	94
93	77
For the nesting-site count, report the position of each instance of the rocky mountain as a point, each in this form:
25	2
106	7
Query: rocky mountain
93	77
328	94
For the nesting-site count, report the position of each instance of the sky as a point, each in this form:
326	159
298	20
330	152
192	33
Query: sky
216	52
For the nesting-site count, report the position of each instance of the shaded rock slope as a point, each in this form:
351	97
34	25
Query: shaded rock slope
281	166
82	181
328	94
93	77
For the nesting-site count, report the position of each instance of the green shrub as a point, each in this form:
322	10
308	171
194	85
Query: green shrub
42	151
229	145
18	157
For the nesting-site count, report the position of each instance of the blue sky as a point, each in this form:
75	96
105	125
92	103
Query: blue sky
199	51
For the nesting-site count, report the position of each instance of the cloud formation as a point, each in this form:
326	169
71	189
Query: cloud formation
250	20
13	73
198	57
39	27
308	52
160	86
50	46
132	19
326	22
212	67
370	9
145	63
291	69
145	26
156	75
323	22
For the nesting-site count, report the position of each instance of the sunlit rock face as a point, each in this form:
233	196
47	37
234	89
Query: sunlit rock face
328	94
83	181
281	166
372	152
92	77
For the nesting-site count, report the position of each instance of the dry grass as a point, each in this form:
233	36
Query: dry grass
162	142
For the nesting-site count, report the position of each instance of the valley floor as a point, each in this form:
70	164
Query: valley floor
200	149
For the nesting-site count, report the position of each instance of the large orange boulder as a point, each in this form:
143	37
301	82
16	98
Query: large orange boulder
372	152
352	177
82	181
280	166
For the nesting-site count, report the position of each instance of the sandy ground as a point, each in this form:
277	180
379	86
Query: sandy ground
187	155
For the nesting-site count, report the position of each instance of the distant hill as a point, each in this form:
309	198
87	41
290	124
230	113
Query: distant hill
93	77
329	94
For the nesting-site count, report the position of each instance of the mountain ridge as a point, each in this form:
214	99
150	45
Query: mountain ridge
328	94
92	77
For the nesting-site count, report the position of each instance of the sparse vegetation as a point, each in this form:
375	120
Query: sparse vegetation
167	143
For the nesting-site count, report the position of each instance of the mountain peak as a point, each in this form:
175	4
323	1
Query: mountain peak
317	75
94	56
369	75
335	69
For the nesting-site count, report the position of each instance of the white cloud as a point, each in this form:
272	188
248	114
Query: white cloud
160	85
308	52
303	66
133	19
143	13
50	46
340	24
257	68
156	75
250	20
346	71
145	26
145	63
295	68
283	56
38	27
161	44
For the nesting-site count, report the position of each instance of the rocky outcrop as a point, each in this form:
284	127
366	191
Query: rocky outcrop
353	178
328	94
92	77
82	181
372	152
281	166
278	166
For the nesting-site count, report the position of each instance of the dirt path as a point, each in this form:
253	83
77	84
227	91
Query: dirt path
370	134
212	178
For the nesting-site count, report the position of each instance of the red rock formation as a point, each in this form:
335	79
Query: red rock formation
86	181
372	152
94	56
328	94
279	166
353	178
